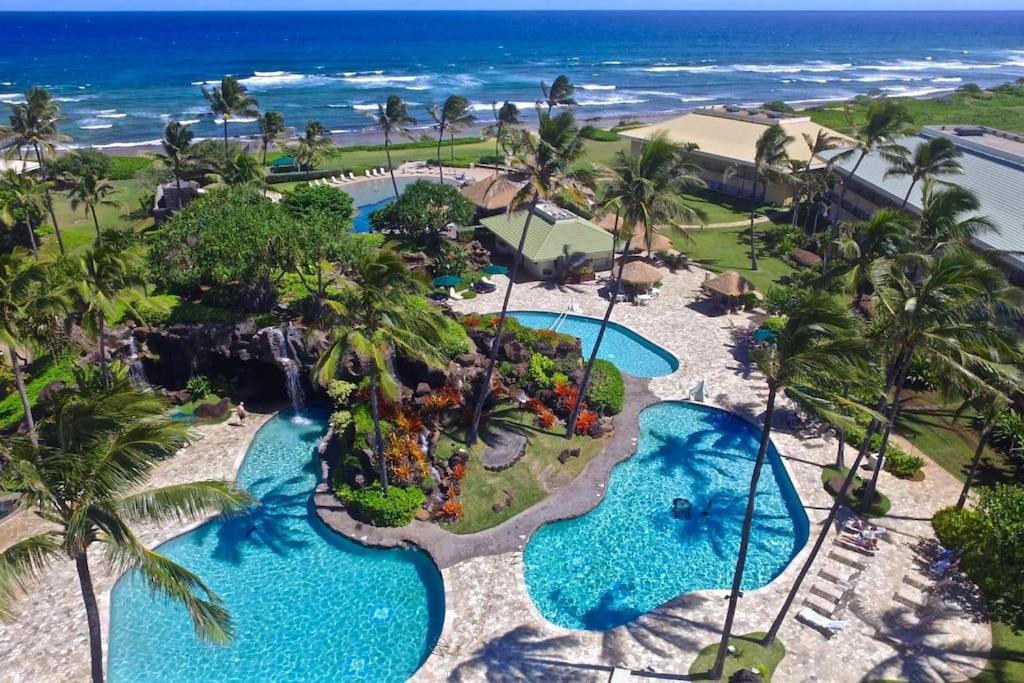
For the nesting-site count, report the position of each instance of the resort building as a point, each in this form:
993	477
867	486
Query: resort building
993	169
726	139
558	241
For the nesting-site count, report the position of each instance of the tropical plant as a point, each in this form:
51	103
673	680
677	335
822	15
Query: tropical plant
34	126
422	212
272	129
505	116
559	93
22	196
372	320
770	160
942	222
820	339
22	294
645	192
821	142
87	192
453	115
884	121
885	235
393	117
230	100
312	146
238	167
87	479
322	221
177	153
548	167
931	158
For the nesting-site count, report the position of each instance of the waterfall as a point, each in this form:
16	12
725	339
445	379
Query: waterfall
292	370
136	371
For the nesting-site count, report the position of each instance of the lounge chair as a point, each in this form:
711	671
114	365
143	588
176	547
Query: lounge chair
383	171
642	299
482	287
487	281
367	173
655	291
827	626
858	544
453	295
852	562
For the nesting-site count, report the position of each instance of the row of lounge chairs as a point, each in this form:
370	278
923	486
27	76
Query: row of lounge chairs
482	286
343	178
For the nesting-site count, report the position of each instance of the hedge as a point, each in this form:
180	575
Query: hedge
599	135
370	505
607	391
292	176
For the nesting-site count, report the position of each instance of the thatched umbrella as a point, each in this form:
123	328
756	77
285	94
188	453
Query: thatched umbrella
491	193
640	274
729	284
807	259
638	242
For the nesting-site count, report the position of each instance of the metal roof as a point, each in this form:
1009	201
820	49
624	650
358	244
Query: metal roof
997	181
549	239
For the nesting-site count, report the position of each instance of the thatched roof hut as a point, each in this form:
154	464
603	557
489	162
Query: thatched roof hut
807	259
640	274
730	285
491	194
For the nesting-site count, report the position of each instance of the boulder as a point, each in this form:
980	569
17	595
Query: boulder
422	389
544	349
504	501
422	515
179	397
515	352
213	411
50	390
471	360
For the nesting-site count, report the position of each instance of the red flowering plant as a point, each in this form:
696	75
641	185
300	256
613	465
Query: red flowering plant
451	510
586	421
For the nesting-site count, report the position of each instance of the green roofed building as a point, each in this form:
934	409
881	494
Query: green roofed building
558	241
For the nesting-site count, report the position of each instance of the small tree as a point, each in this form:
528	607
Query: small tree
312	147
271	130
89	191
322	219
421	213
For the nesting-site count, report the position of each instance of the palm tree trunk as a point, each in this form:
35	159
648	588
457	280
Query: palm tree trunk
826	527
225	137
92	616
49	201
31	232
96	223
485	383
893	413
753	202
177	182
574	416
440	165
387	151
265	145
906	199
378	446
748	523
451	147
104	371
841	450
19	382
833	230
986	431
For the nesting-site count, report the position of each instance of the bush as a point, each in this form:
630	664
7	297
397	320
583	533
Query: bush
199	386
954	527
900	464
607	391
492	160
81	162
451	259
370	505
127	167
921	375
1008	433
778	106
598	134
784	238
454	340
781	299
540	370
774	323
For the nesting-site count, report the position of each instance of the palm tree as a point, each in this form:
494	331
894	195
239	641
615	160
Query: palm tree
177	155
393	116
820	338
373	321
504	116
884	121
22	193
22	291
229	100
559	94
770	159
314	144
87	192
935	157
271	129
645	191
821	142
34	125
885	235
547	164
454	113
239	167
87	480
105	278
942	223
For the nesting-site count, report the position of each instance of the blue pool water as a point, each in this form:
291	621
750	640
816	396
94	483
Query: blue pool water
307	604
373	194
628	350
629	555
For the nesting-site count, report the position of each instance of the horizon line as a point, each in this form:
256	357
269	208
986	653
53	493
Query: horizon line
514	11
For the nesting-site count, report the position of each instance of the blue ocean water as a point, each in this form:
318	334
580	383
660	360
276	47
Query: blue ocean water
631	554
307	604
630	352
120	76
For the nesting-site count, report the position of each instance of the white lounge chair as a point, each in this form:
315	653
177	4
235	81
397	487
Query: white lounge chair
383	171
821	622
486	280
655	291
453	295
350	176
367	173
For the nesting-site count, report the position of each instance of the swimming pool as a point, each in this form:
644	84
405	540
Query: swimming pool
630	555
375	193
632	353
308	605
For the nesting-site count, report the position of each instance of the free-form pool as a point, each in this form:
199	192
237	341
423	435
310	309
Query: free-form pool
372	194
632	353
630	554
308	605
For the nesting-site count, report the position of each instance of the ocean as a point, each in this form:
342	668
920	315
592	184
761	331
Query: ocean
121	76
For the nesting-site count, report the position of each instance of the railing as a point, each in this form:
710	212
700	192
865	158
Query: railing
562	316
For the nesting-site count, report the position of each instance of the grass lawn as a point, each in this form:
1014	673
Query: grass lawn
77	228
749	655
999	110
879	509
719	207
43	371
536	475
722	249
929	426
1007	663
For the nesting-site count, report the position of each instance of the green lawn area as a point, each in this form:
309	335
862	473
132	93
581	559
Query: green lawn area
77	228
1007	663
749	655
879	509
999	110
722	249
929	426
43	371
531	479
718	207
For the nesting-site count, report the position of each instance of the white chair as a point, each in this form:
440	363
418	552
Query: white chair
642	299
383	171
821	622
655	291
367	173
453	295
486	280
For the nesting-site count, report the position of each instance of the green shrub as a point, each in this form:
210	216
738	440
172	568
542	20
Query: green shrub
607	391
340	420
340	392
504	368
362	418
81	162
199	386
774	323
1008	433
778	106
155	310
370	505
900	464
127	167
454	340
784	238
540	370
492	159
598	134
188	312
954	527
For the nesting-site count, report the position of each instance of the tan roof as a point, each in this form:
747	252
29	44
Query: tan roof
805	258
636	242
640	273
495	192
731	137
729	283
